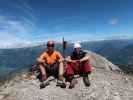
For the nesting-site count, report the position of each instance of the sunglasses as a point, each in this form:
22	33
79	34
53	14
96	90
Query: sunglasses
50	45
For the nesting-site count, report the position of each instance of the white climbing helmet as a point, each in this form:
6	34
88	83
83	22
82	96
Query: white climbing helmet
77	45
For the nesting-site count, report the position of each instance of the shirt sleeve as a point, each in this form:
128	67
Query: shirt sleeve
59	56
43	56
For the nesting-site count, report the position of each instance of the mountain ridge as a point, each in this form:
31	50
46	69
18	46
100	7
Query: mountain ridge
107	83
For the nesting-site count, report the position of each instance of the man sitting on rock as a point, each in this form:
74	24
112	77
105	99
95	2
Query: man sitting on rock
51	64
78	63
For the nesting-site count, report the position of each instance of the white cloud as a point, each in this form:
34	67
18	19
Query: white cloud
17	29
25	8
14	31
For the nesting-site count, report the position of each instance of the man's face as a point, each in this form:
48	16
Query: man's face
50	47
77	50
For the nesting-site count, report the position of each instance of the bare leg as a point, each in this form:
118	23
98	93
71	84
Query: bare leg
43	72
61	82
61	71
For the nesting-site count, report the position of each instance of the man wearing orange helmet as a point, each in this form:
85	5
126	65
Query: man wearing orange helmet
51	63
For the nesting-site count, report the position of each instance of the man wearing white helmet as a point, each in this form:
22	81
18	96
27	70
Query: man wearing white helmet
78	63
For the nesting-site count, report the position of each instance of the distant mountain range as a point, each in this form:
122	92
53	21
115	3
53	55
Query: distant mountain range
117	51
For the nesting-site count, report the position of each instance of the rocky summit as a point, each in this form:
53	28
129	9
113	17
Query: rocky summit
108	82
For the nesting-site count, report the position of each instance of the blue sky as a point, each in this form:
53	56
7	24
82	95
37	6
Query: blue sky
30	21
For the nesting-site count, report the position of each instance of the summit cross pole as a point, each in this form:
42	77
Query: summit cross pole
64	49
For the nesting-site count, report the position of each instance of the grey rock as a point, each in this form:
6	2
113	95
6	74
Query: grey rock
106	84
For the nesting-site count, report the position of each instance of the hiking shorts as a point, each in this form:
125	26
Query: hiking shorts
78	68
52	70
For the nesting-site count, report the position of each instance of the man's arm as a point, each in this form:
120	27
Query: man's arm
41	61
68	59
85	58
41	58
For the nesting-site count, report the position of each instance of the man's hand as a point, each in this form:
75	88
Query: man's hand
81	60
85	58
73	61
33	77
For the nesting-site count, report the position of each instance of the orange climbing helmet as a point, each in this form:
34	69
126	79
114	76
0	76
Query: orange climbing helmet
50	43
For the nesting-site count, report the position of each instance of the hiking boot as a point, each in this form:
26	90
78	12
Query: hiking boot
44	84
86	81
61	84
73	83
